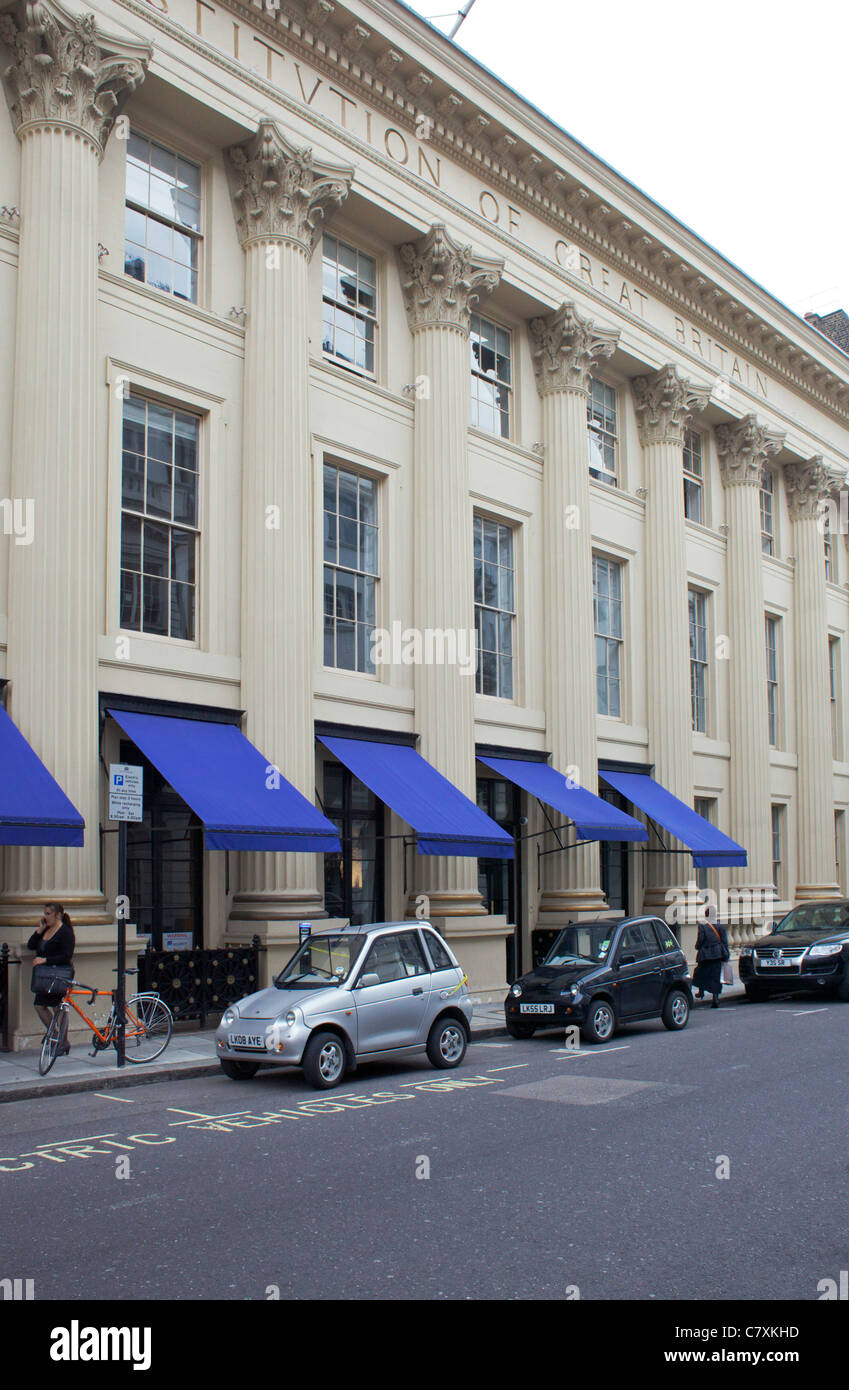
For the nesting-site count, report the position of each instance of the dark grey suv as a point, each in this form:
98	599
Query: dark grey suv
601	974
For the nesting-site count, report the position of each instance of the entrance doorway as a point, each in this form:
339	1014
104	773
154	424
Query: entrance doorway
614	860
354	879
498	880
164	864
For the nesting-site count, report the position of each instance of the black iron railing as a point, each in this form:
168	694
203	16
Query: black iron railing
195	984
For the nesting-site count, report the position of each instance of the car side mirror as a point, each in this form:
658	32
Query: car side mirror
626	960
365	980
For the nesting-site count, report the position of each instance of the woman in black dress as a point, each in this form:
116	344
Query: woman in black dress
711	951
53	942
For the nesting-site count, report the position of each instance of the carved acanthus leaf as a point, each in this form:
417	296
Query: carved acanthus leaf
744	447
665	402
280	191
67	70
807	485
566	348
443	280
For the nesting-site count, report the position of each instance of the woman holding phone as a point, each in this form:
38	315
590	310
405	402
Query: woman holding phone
53	942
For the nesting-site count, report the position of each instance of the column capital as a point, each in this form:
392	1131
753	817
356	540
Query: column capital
744	446
280	191
808	484
566	348
665	402
67	72
443	280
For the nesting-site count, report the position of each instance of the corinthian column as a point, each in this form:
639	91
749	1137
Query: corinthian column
744	447
65	85
665	403
442	280
566	348
281	195
807	485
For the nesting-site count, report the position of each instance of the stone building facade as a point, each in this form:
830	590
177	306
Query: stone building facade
312	327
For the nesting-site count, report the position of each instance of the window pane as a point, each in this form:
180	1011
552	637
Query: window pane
155	616
185	496
131	542
348	538
182	612
130	601
183	556
158	494
132	482
156	548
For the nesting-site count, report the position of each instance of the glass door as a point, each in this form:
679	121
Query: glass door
353	880
164	864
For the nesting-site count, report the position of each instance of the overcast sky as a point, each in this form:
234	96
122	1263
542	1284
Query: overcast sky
731	114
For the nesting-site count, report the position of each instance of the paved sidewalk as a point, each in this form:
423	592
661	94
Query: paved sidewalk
188	1054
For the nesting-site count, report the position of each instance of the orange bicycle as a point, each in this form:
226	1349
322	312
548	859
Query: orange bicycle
147	1026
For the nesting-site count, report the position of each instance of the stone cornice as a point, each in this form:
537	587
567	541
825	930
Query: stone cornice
665	402
695	282
807	484
566	348
744	447
442	280
280	191
67	72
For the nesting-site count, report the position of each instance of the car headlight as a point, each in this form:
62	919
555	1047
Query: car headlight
828	948
516	990
230	1015
291	1018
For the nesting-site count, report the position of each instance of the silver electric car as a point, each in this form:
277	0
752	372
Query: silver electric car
362	993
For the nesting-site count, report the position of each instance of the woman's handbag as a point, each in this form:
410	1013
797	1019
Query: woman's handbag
726	954
51	979
727	972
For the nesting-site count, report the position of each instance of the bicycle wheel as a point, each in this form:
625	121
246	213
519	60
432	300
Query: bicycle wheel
54	1042
147	1032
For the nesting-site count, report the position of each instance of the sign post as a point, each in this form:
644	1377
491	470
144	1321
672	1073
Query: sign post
126	803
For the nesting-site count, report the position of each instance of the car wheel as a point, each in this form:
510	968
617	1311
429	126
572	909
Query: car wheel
676	1010
600	1023
447	1043
843	989
324	1061
521	1030
239	1071
756	994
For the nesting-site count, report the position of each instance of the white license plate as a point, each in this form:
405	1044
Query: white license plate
246	1040
536	1008
774	964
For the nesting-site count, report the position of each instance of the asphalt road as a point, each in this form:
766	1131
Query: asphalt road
551	1174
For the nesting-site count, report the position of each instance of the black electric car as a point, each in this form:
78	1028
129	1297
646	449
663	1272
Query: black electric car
601	974
807	952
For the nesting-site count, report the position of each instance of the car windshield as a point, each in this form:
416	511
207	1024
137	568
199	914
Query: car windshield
816	917
320	962
577	945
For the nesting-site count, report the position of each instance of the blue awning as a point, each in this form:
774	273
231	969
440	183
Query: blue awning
33	808
445	820
243	802
594	818
710	848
